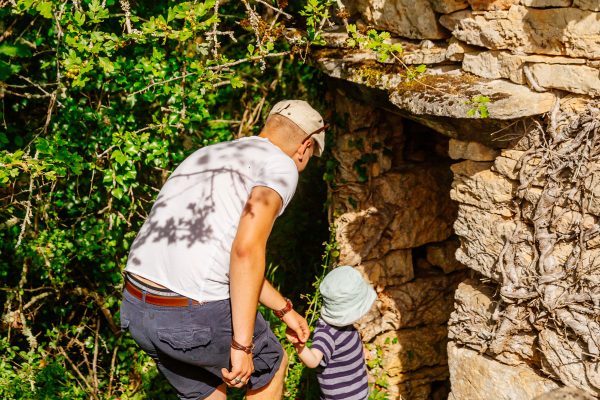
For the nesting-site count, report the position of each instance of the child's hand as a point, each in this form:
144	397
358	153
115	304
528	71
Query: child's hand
291	336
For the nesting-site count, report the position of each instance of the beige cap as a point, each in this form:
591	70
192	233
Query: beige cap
306	117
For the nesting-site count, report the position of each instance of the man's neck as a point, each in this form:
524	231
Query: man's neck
274	139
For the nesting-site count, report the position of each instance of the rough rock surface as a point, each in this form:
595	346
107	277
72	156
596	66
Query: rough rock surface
390	206
565	393
411	349
591	5
442	255
424	301
546	3
568	362
452	97
461	150
496	64
448	6
443	96
490	5
390	224
572	78
476	185
516	322
477	377
556	31
414	19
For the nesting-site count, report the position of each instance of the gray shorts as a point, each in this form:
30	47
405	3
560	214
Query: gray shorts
191	344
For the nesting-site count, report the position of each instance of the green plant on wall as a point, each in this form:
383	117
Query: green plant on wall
479	107
378	389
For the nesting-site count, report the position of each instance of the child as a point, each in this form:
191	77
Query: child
337	346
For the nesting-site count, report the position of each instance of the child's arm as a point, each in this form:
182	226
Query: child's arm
309	357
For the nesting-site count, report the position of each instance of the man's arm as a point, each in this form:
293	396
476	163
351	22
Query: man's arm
246	274
271	298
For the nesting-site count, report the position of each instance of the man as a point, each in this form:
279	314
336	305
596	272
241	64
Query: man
195	273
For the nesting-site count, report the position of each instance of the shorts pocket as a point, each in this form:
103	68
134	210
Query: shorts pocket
124	324
267	353
185	339
125	319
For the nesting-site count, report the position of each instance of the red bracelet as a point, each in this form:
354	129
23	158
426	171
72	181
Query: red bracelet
288	307
239	346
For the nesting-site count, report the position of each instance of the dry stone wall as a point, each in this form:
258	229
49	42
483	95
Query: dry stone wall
393	217
414	209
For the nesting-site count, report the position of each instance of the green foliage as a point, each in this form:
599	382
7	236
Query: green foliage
100	100
380	43
373	40
479	106
361	166
301	380
375	365
316	13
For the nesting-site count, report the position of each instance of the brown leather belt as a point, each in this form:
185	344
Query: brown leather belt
167	301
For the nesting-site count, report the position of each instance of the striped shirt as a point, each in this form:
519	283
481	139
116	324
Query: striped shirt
343	372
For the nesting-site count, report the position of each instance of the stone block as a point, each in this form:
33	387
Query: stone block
565	393
483	235
456	50
502	64
414	385
471	325
448	6
591	5
567	361
554	31
411	349
490	5
450	97
409	209
413	19
445	95
394	268
434	55
424	301
572	78
382	318
475	376
357	233
546	3
506	163
442	255
461	150
477	185
471	322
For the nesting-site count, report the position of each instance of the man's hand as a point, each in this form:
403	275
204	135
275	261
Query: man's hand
242	367
292	338
297	326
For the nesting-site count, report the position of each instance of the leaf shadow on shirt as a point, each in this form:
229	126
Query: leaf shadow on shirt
194	227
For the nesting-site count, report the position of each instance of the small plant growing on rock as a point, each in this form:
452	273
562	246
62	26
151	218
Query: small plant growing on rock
479	106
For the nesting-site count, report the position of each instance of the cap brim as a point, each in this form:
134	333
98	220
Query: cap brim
319	139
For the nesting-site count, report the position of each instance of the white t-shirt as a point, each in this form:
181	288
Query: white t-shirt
185	243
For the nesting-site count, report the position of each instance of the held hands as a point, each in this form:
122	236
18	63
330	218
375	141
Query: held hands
293	339
297	331
242	366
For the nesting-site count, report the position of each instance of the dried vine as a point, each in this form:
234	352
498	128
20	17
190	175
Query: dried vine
556	294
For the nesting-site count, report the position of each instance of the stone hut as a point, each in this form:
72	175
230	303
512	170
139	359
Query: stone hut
479	232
